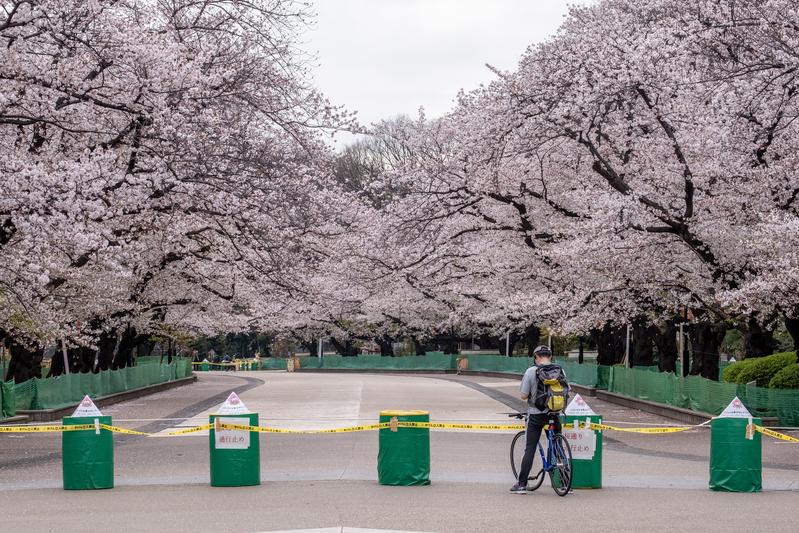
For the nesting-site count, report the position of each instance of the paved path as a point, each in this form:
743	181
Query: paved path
324	481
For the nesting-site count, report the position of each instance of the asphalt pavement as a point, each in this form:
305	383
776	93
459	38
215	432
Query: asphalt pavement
651	482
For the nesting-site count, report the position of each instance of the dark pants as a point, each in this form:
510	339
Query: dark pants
535	424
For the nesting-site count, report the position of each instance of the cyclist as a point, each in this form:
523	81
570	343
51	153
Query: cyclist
536	418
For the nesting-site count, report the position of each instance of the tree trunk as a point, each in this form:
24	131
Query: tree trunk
25	363
418	347
490	342
81	359
451	345
706	337
532	336
106	346
792	325
346	349
758	340
665	339
514	338
610	342
386	346
124	355
641	346
57	362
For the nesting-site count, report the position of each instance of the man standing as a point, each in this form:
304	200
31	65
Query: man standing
537	416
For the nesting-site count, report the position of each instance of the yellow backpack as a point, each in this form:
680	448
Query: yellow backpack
552	390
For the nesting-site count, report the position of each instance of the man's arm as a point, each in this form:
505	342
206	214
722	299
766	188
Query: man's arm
525	388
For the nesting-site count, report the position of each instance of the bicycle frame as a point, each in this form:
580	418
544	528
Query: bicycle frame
547	466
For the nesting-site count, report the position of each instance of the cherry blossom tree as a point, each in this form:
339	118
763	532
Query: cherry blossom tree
159	162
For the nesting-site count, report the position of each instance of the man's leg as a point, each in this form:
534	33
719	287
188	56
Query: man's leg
534	427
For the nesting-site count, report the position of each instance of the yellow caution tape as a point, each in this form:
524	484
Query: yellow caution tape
441	425
649	431
186	431
372	427
262	429
774	434
44	429
121	430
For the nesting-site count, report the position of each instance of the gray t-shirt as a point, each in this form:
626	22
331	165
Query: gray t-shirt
528	386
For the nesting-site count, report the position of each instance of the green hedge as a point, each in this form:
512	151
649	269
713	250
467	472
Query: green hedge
759	369
787	378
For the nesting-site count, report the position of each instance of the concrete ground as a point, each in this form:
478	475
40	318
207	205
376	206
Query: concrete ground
651	482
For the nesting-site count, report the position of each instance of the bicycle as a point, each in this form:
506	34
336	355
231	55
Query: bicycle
557	462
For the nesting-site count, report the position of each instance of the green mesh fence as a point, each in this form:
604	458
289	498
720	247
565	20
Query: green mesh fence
498	363
700	394
602	377
8	403
586	375
272	363
69	389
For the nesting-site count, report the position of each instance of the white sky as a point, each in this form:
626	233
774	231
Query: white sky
386	57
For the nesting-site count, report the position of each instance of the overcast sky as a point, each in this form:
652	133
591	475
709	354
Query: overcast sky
385	57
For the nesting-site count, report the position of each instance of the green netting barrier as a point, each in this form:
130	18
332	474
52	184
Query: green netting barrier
8	402
700	394
272	363
498	363
69	389
602	377
376	362
586	375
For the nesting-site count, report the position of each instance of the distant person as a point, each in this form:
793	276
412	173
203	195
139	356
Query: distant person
539	414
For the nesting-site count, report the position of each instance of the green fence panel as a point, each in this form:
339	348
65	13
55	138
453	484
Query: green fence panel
8	401
64	390
786	405
310	362
602	377
117	380
499	363
585	375
273	363
431	361
703	395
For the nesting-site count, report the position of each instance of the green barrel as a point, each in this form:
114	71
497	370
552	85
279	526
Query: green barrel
586	472
87	458
235	455
205	367
735	462
404	455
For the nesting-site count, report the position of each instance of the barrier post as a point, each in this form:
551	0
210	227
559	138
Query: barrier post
404	454
586	444
235	455
736	461
87	457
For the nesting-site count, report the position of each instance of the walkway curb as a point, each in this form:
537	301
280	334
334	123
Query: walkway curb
14	419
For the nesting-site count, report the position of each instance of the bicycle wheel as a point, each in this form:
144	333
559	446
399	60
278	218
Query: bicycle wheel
516	455
560	475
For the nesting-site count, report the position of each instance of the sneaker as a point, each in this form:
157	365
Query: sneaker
518	488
